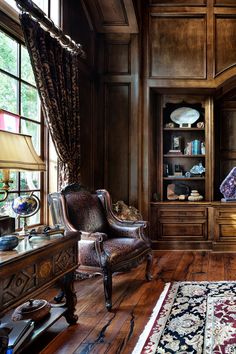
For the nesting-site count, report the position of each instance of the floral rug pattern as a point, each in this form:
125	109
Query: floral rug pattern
192	317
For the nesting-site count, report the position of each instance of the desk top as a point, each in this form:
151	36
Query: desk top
34	245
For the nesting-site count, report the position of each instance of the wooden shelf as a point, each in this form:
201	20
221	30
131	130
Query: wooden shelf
184	178
183	156
43	325
185	129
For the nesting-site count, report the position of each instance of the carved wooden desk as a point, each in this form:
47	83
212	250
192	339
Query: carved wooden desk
33	267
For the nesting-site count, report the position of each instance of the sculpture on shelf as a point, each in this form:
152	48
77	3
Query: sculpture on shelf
197	170
228	186
195	196
177	191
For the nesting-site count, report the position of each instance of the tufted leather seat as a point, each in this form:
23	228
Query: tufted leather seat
107	243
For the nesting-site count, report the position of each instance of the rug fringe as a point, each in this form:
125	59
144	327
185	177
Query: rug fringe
143	337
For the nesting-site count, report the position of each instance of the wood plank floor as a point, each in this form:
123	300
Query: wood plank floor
100	332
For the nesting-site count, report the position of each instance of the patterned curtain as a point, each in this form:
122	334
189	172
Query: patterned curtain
57	78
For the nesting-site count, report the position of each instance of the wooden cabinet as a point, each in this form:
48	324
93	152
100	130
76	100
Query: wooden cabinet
179	226
224	223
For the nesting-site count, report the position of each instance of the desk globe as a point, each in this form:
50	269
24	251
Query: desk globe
26	206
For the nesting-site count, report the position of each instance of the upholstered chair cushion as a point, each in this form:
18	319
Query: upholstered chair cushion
117	250
86	212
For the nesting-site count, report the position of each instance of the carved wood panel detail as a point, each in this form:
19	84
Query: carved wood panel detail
17	284
45	270
225	43
177	53
64	260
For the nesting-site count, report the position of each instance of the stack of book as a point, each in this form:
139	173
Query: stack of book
19	331
172	152
196	147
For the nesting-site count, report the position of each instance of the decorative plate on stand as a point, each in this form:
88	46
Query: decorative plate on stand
185	116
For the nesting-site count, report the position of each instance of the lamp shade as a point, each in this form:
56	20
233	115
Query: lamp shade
17	153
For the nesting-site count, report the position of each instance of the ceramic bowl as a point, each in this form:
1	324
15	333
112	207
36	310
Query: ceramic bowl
8	242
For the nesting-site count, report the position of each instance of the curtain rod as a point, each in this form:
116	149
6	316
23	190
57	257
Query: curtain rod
33	10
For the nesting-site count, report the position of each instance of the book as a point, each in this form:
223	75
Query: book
19	332
196	147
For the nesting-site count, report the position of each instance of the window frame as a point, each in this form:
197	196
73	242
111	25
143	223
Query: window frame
13	29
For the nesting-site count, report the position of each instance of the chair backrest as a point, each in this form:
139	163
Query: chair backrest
83	209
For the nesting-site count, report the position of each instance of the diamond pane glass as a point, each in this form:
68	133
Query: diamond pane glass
6	206
29	180
8	93
26	68
30	104
8	54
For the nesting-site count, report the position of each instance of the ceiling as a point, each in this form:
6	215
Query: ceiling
111	16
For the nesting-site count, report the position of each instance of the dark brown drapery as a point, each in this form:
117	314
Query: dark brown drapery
57	78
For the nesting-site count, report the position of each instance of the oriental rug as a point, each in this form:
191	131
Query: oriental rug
192	317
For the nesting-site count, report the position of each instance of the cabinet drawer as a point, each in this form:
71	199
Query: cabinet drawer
226	213
192	212
227	230
183	229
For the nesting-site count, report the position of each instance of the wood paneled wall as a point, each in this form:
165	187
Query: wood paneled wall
191	40
172	45
177	46
118	86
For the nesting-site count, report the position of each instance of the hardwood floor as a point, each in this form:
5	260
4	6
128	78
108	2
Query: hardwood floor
100	332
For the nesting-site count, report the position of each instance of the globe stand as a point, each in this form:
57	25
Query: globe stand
25	207
25	229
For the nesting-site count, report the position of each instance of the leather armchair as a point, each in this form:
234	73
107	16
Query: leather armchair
107	244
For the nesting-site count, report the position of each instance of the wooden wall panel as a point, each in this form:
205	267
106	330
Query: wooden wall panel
117	123
113	16
117	56
228	129
179	2
112	12
225	3
177	46
87	132
225	43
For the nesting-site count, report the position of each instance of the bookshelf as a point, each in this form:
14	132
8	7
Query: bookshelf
183	149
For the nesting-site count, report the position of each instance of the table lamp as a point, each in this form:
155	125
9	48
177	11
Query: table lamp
17	153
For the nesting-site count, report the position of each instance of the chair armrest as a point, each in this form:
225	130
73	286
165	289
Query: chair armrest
121	228
127	230
90	242
93	236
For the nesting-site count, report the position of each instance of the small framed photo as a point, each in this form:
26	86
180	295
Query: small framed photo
177	143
